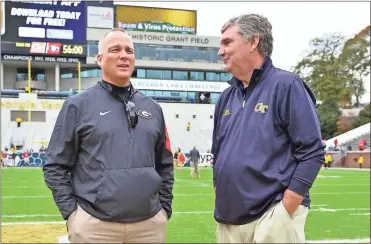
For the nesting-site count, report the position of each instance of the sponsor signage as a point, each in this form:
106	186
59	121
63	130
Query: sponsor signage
25	105
44	48
150	19
61	21
166	39
49	59
100	17
177	85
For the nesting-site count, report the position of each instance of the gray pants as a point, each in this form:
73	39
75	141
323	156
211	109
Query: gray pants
194	168
275	226
84	228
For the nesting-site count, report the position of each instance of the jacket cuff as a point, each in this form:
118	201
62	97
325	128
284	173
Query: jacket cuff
299	187
66	214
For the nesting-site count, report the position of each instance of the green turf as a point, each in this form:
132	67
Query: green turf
347	191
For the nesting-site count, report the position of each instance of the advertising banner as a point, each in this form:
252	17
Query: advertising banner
61	21
99	17
44	48
49	59
150	19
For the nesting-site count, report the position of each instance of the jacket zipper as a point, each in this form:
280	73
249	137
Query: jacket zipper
244	101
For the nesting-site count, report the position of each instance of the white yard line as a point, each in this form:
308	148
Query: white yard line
341	241
186	212
201	194
34	223
337	209
367	214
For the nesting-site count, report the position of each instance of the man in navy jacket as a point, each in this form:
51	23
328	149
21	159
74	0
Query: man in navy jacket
267	142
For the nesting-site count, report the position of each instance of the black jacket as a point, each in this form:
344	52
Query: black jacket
115	173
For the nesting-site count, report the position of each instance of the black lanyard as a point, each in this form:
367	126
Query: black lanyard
131	115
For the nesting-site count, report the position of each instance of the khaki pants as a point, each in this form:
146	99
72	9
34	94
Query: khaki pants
194	168
84	228
275	226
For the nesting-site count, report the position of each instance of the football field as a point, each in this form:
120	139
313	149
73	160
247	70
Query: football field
340	208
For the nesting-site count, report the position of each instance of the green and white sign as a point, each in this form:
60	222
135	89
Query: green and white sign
157	27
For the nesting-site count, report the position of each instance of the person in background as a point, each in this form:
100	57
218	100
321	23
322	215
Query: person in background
109	163
360	161
194	156
267	142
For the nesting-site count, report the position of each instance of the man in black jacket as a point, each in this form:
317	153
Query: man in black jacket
109	163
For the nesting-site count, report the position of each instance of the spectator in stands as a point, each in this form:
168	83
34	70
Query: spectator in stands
109	162
361	144
360	161
194	156
268	150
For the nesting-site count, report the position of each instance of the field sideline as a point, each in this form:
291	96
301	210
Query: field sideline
340	208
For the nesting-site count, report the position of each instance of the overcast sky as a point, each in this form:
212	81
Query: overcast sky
294	23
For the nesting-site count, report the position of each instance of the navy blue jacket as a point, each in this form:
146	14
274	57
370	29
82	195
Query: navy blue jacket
266	139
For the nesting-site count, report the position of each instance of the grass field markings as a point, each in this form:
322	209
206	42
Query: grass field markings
192	186
187	212
340	241
25	187
58	215
329	176
202	194
30	215
343	184
338	209
7	197
33	223
339	193
360	214
64	239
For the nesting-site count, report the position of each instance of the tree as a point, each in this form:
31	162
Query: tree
328	113
323	71
363	117
356	60
343	124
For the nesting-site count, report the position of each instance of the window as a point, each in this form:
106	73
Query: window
197	75
214	97
173	53
180	75
166	74
141	73
36	74
212	76
225	76
92	48
154	74
36	116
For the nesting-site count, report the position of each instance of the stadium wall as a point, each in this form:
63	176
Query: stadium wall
176	116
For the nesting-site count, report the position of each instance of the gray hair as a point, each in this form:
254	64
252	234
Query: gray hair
250	25
100	49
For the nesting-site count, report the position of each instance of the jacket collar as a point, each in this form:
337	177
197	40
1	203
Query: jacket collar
257	75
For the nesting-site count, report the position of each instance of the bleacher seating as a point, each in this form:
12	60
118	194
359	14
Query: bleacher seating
354	142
